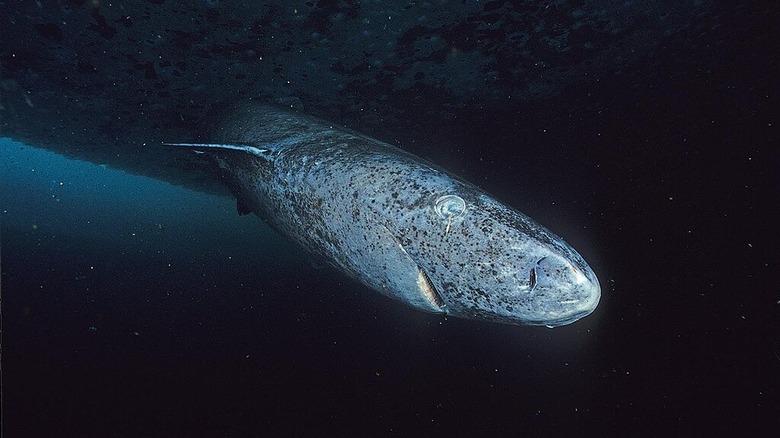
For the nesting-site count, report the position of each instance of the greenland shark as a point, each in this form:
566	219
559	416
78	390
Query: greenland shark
400	225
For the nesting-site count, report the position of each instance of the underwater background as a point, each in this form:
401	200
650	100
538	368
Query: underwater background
136	301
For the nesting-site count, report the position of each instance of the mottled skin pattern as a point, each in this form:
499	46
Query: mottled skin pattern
371	209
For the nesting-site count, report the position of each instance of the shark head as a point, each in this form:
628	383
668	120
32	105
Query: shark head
484	260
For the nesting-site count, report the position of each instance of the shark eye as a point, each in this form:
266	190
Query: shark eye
533	278
450	206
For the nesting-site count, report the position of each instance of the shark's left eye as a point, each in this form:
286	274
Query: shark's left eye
450	206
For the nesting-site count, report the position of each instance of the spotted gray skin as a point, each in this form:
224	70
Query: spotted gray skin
398	224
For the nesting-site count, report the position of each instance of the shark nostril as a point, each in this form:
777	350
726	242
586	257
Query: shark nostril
533	278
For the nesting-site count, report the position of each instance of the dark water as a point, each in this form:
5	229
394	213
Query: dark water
135	308
132	307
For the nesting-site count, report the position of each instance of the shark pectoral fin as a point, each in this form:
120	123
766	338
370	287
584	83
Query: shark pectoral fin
242	207
404	279
428	289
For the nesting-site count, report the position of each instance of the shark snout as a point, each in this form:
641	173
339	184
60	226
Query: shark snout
564	291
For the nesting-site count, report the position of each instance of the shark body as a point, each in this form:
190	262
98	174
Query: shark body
398	224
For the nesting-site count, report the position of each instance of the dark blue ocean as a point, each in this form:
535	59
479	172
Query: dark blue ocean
133	307
136	307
